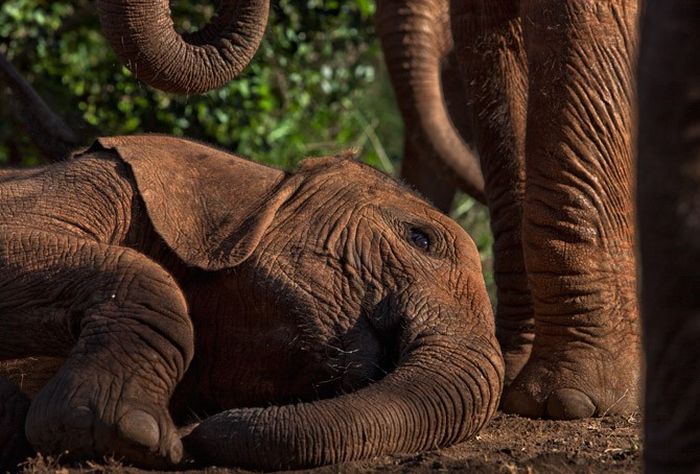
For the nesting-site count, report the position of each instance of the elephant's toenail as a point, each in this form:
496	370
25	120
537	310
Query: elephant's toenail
80	418
186	430
569	404
141	428
522	403
175	451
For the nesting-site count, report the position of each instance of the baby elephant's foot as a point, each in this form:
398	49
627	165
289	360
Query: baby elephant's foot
576	379
91	415
14	447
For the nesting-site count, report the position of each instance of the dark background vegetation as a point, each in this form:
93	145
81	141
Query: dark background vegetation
316	86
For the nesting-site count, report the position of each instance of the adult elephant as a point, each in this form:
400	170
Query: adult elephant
669	218
551	85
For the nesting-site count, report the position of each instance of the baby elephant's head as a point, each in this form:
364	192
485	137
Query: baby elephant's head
373	275
360	279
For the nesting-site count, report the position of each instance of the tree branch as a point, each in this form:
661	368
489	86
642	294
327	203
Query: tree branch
48	131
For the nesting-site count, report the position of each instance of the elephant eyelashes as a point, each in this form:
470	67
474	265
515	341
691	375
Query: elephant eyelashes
419	239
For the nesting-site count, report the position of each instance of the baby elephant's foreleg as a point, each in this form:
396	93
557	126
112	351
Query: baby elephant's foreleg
132	341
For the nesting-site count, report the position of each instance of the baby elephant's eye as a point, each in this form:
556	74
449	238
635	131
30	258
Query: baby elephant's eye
419	239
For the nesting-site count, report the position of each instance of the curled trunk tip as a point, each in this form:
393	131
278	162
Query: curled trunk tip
143	36
416	40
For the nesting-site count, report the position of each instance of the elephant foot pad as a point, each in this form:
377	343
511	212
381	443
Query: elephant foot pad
574	384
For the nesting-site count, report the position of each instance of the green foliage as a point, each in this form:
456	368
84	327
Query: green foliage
305	93
317	86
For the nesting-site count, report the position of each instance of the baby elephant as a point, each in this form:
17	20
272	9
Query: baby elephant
176	279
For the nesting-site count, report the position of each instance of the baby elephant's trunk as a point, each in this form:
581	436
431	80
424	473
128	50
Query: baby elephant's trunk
444	390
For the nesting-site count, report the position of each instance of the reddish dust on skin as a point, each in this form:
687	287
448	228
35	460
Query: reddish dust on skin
509	444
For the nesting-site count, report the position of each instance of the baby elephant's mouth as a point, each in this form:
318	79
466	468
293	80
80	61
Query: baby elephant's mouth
359	358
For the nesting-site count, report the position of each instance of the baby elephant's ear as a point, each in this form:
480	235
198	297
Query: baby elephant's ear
210	207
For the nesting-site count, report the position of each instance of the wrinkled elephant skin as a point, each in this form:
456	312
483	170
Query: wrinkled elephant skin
143	35
551	85
176	279
417	43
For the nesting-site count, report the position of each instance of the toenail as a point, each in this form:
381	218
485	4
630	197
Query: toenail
522	403
139	427
569	404
175	451
80	418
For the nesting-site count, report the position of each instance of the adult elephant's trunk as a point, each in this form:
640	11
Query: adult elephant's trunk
443	391
143	35
416	38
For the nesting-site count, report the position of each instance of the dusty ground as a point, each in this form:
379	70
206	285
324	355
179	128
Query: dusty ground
510	444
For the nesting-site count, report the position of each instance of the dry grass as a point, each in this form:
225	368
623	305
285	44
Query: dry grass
47	464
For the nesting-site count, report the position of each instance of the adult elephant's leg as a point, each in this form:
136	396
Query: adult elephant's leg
578	215
669	218
489	45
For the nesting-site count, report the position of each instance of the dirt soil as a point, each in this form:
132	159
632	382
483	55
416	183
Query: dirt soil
509	444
